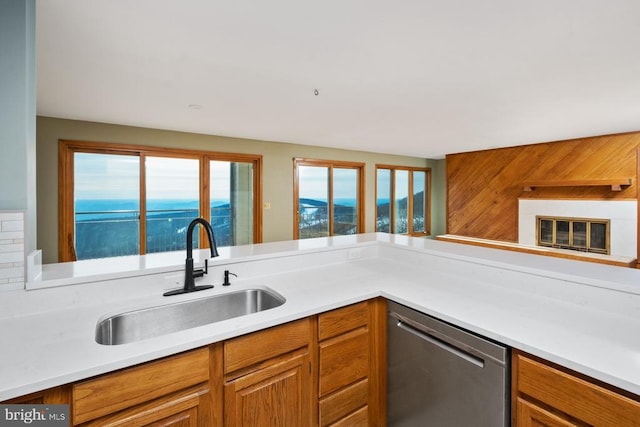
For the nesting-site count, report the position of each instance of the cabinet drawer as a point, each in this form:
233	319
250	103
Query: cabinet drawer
360	418
110	393
343	402
250	349
532	415
177	409
343	360
342	320
575	396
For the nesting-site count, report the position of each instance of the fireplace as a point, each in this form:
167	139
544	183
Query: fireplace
576	234
597	226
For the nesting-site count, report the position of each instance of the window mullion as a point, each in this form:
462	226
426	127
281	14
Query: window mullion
571	245
410	205
204	192
330	201
67	238
143	204
392	205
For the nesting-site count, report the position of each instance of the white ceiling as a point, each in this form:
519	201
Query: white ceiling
414	77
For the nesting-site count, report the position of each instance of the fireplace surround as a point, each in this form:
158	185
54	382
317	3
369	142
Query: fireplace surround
620	214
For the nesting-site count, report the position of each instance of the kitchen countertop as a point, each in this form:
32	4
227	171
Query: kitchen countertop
580	315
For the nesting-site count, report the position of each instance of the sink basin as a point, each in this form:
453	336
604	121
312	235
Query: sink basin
151	322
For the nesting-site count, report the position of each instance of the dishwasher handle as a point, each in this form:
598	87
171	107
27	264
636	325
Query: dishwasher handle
441	344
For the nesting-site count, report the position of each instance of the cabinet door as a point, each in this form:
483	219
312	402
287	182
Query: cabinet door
530	415
277	395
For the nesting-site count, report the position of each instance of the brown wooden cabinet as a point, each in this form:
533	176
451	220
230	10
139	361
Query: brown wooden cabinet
174	391
269	377
351	365
548	395
322	370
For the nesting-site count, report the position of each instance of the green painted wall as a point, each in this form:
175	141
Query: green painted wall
277	171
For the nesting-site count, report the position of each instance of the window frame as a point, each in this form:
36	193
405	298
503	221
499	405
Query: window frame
392	199
66	208
330	164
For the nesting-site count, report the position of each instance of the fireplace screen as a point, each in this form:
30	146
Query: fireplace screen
578	234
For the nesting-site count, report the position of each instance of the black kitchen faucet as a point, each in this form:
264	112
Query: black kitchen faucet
189	273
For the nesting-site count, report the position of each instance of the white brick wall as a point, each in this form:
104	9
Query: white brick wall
11	248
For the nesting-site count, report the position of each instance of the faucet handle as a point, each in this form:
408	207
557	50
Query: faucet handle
201	272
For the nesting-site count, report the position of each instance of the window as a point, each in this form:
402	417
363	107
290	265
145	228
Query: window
402	200
172	199
327	198
107	203
577	234
232	202
125	200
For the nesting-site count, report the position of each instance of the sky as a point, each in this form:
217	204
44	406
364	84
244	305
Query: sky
107	176
313	183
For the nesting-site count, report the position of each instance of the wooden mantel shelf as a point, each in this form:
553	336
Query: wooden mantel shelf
615	184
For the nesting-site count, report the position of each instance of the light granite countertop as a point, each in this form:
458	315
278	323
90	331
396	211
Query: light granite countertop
580	315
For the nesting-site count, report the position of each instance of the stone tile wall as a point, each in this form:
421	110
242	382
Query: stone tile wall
11	249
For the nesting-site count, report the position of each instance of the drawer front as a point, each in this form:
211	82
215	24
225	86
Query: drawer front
120	390
250	349
342	320
360	418
574	396
344	360
534	416
179	409
343	402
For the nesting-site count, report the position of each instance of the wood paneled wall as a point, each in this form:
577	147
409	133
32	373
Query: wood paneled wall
483	187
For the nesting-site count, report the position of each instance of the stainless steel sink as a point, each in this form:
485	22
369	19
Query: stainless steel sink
151	322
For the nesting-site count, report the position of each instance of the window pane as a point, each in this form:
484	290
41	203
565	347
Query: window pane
401	218
598	236
313	194
580	234
345	201
383	200
231	197
419	202
562	232
107	205
546	231
173	194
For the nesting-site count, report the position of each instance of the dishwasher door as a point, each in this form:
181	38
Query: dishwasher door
440	375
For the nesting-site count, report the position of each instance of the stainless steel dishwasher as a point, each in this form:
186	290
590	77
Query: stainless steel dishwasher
442	376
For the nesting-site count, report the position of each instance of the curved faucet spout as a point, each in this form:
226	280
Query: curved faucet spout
189	273
210	236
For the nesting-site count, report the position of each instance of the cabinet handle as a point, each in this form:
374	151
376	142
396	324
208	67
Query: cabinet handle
441	344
